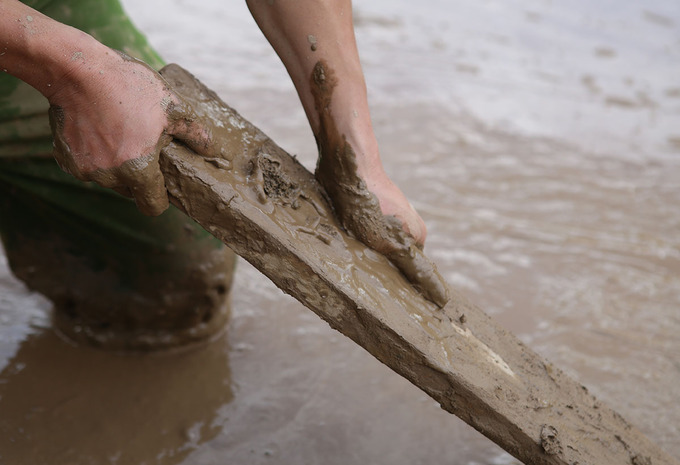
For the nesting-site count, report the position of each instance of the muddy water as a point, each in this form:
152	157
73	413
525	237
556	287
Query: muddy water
550	188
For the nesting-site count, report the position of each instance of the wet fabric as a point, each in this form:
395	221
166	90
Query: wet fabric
39	202
95	227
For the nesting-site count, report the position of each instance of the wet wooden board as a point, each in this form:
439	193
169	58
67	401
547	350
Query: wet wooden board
269	209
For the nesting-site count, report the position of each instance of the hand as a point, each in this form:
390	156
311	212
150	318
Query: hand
392	200
111	122
366	201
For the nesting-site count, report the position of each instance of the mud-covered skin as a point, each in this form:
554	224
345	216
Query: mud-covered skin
251	170
357	208
140	177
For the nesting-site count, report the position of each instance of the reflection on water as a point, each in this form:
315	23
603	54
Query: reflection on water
61	404
534	145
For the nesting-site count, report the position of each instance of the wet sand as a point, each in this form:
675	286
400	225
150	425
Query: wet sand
570	242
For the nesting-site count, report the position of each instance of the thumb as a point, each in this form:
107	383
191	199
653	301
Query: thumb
147	185
186	126
140	178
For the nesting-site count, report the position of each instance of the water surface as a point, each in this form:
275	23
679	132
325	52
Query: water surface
541	143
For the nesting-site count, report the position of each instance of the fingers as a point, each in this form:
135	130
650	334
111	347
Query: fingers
139	178
414	225
125	160
146	182
185	125
422	273
407	255
149	191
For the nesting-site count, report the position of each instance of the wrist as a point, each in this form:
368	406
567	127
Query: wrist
70	63
42	52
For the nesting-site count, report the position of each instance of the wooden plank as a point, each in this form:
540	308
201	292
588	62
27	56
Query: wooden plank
269	209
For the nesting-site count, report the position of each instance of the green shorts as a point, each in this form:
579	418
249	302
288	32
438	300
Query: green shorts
107	267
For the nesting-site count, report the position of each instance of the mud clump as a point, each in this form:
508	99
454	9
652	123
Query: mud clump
550	443
275	183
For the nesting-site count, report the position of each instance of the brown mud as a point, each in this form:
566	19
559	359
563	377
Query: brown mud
271	211
138	178
143	408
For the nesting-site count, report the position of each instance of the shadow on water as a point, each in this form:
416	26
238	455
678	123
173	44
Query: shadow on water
77	405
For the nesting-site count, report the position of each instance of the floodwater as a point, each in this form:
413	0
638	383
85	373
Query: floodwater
540	141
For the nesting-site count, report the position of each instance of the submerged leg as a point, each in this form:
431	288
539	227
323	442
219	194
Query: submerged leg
117	278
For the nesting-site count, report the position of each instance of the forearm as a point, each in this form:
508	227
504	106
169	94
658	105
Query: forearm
303	32
42	52
315	40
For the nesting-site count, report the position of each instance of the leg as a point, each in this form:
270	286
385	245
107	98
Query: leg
117	278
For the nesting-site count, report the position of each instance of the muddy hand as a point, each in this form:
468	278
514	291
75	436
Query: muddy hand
359	208
408	256
359	211
111	128
339	171
139	178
